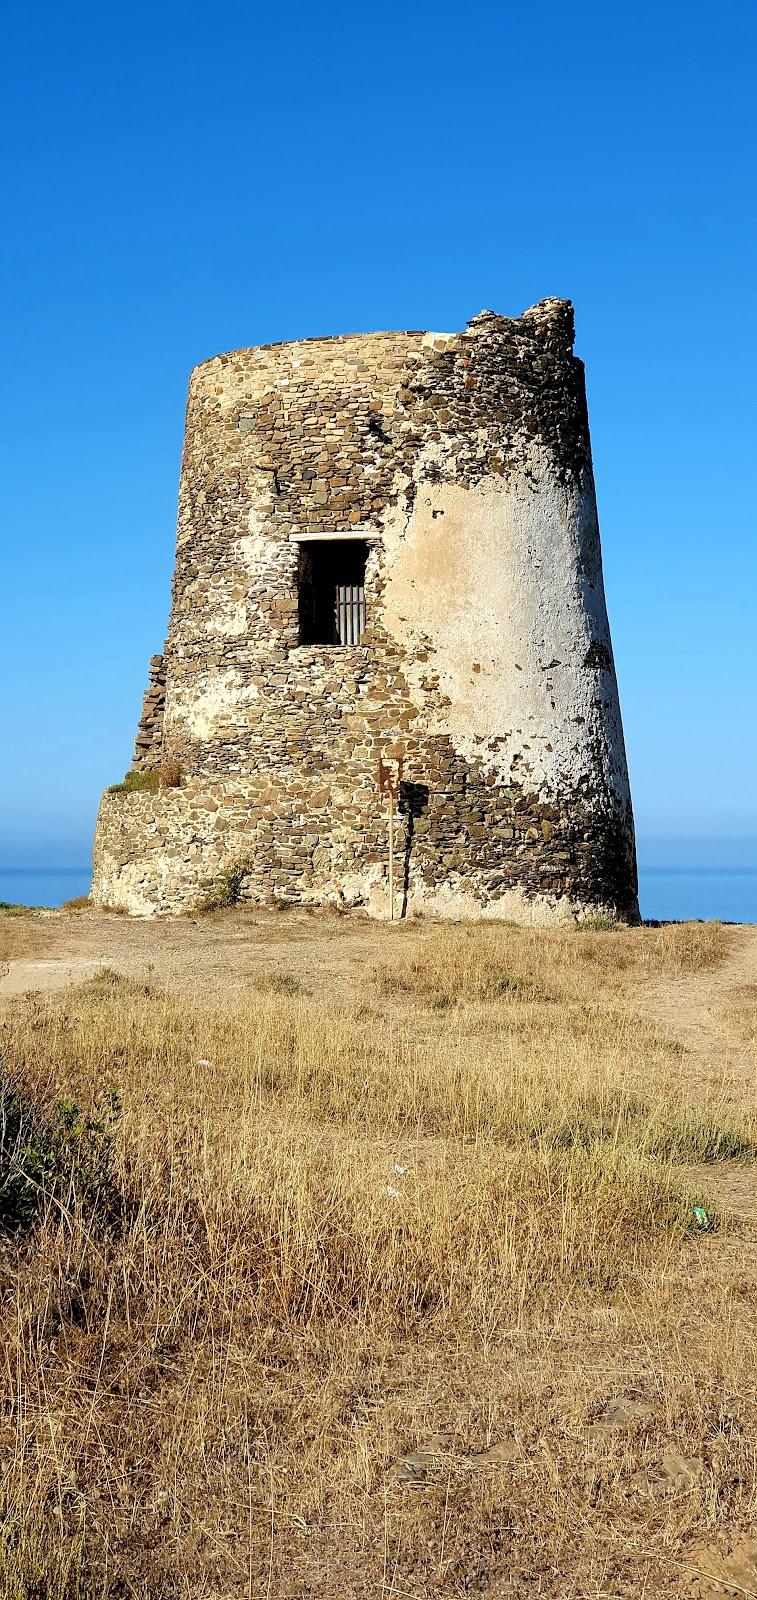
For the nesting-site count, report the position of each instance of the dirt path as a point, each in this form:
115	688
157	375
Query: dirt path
713	1014
700	1008
326	953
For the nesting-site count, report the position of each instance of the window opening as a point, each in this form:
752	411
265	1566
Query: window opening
331	591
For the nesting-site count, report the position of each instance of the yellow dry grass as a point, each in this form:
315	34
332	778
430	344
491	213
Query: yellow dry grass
483	962
281	1244
740	1013
22	933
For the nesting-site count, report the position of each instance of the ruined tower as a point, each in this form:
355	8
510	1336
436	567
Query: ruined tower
387	544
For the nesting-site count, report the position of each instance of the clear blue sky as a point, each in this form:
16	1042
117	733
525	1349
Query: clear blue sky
184	179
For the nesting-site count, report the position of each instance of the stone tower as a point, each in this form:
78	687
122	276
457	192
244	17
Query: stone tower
387	544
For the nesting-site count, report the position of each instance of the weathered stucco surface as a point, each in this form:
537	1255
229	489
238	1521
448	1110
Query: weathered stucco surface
463	461
510	652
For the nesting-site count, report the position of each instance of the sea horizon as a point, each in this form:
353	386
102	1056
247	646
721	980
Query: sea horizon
667	893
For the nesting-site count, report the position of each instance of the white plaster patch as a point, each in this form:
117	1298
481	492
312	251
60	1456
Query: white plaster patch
229	619
208	705
510	905
129	887
253	548
501	583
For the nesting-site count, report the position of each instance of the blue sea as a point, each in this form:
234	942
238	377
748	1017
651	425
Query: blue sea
728	894
43	886
684	894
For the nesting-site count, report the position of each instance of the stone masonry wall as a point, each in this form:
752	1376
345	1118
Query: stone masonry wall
463	462
148	745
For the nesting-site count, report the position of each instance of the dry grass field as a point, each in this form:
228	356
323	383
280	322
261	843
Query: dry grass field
342	1259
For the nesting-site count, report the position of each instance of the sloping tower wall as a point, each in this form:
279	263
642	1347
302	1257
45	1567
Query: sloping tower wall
457	468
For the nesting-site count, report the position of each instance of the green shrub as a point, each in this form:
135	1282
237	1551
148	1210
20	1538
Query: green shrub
105	984
52	1152
227	889
137	783
151	781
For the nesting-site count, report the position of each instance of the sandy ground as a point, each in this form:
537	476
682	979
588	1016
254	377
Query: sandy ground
325	951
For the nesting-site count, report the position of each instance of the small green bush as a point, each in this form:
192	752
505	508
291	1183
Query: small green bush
50	1152
166	776
107	984
227	889
137	783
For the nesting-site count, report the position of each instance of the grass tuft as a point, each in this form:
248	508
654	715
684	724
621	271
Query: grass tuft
279	983
37	1562
151	780
137	783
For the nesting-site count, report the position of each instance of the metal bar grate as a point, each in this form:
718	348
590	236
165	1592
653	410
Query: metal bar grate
349	613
